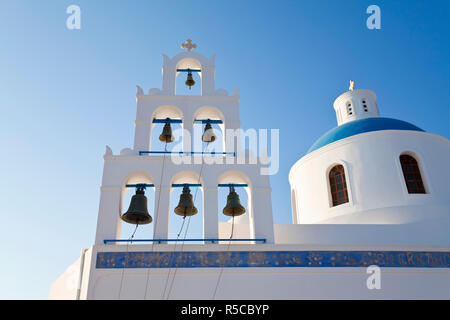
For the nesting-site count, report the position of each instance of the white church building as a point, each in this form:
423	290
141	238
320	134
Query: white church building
370	208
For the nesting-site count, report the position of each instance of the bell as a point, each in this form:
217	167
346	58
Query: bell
186	205
190	80
166	135
137	212
208	133
233	207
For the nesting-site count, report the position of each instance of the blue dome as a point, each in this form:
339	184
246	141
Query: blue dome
361	126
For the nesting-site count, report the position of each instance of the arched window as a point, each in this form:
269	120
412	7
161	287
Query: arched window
338	185
411	173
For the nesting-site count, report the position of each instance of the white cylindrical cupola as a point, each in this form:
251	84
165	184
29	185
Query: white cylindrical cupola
355	105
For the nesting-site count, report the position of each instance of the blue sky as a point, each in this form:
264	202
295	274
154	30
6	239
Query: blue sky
66	94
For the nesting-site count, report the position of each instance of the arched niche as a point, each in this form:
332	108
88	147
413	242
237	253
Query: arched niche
180	77
162	112
213	113
188	63
192	224
136	177
246	228
188	60
186	176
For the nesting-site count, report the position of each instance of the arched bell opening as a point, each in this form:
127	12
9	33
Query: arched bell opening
217	123
143	231
243	223
188	80
191	223
158	124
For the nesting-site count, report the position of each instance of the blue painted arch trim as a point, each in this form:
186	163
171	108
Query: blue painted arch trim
361	126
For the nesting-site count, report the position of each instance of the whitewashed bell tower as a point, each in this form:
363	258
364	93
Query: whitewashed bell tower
324	254
142	164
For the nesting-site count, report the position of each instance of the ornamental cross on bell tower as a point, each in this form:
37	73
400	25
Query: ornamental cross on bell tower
188	45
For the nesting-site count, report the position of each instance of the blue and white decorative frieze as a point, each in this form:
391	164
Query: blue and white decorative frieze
243	259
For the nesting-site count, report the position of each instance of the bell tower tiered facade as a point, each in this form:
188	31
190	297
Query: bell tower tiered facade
144	165
328	250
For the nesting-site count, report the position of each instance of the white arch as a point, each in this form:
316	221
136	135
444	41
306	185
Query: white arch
134	177
210	112
192	60
186	176
162	112
167	111
236	176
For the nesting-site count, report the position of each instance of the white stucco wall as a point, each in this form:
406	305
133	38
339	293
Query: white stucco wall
376	187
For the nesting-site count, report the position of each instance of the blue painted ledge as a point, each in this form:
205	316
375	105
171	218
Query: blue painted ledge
242	259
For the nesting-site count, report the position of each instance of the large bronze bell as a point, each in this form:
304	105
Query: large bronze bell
166	135
190	80
137	212
233	207
186	206
208	133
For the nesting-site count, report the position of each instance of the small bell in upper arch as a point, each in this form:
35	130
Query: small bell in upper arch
233	207
208	133
166	135
186	206
190	80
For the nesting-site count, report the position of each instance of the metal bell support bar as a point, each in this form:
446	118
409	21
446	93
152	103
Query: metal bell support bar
212	240
182	185
167	120
205	121
234	185
186	152
139	186
189	70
